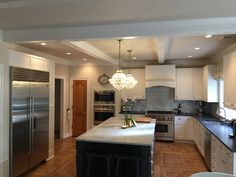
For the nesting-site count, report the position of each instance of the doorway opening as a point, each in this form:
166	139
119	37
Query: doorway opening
58	108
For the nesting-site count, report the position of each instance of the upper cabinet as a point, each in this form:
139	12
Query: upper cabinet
230	81
210	85
138	91
188	84
23	60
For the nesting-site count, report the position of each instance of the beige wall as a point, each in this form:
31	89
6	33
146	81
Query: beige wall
91	73
4	114
63	72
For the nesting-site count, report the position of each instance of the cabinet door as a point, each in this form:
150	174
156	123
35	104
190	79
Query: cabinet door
229	81
183	84
39	64
189	128
197	81
19	59
139	90
179	128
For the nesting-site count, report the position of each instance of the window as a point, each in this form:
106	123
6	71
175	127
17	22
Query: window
229	112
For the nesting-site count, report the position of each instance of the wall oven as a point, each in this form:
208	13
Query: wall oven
103	112
104	97
104	105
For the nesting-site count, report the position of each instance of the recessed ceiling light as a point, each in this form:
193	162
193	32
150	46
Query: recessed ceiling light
43	43
129	37
190	56
134	58
68	53
85	59
197	48
208	36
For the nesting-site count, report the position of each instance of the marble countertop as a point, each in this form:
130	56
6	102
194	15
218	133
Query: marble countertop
110	131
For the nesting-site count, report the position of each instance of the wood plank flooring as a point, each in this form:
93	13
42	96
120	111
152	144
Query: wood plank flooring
170	160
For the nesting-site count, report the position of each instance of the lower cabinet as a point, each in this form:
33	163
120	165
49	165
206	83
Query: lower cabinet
199	136
221	157
183	128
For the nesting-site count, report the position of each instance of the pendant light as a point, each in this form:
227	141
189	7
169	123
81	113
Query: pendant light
130	80
118	79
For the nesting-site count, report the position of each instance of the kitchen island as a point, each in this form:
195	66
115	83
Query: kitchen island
108	150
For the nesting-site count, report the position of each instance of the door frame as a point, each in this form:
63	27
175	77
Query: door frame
1	120
62	105
71	101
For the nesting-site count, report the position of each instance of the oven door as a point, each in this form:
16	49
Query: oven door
104	97
164	130
100	116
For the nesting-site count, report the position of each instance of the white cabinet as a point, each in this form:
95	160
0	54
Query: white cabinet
197	82
139	90
183	128
188	84
199	136
23	60
210	85
230	81
221	157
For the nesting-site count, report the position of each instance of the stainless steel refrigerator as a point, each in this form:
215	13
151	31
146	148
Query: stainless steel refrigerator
29	119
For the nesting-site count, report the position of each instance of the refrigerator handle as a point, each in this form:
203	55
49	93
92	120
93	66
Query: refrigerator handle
30	123
33	123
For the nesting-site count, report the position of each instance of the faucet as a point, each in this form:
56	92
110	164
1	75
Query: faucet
218	111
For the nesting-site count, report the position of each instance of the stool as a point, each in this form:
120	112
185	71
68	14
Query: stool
94	156
211	174
137	160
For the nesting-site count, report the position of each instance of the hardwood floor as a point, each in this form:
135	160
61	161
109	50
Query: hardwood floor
171	160
177	160
62	165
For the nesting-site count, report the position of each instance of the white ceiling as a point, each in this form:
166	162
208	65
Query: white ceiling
28	14
103	52
166	30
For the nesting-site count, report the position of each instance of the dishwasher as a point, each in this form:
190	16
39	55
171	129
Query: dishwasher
207	149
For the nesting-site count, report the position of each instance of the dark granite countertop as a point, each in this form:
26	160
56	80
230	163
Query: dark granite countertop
220	130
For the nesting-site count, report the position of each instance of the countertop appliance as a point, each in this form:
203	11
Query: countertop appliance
164	129
29	119
207	149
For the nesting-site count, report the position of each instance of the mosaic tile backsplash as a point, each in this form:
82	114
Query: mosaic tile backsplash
160	98
163	99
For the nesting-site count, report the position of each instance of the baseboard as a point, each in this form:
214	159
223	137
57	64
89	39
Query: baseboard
66	135
184	141
4	168
49	158
50	154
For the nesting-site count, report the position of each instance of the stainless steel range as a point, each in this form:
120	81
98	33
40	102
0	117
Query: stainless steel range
164	129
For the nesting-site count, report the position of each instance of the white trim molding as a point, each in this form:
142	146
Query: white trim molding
192	27
1	121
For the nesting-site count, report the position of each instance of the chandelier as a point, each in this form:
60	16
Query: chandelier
119	79
130	80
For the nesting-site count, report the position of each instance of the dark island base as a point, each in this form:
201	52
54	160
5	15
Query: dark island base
113	160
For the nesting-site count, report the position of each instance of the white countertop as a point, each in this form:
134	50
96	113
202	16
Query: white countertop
110	131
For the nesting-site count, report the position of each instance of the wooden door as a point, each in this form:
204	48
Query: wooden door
79	107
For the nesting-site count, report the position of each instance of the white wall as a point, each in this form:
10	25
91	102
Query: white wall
4	112
91	73
63	72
